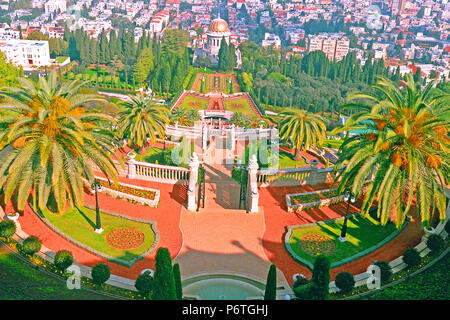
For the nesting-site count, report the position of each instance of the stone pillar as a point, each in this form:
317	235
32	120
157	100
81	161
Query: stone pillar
233	137
204	140
252	171
314	176
193	177
131	166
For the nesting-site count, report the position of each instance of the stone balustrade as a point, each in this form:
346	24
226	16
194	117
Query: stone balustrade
293	177
156	172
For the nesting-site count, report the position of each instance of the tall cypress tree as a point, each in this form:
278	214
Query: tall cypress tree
224	55
177	278
271	285
163	281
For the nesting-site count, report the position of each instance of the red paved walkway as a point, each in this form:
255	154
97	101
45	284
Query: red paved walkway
167	218
277	218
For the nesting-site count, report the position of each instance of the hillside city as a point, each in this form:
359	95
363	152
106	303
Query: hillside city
224	150
404	33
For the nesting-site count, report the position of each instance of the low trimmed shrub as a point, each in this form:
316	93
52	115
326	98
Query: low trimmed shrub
31	245
435	243
300	281
144	284
100	273
386	271
63	259
411	257
345	281
7	229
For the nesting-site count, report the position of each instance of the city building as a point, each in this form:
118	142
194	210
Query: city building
271	40
218	31
28	54
335	46
55	5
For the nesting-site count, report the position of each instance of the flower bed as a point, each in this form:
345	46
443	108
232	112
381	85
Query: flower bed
125	238
315	244
315	199
145	196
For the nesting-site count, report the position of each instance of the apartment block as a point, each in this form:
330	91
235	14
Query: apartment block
335	46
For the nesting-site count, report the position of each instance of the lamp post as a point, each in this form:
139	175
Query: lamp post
97	187
349	197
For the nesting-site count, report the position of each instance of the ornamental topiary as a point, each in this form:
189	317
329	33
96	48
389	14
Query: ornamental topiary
385	270
100	273
435	243
271	285
31	245
318	287
63	259
411	257
144	284
164	282
7	229
300	281
345	282
177	277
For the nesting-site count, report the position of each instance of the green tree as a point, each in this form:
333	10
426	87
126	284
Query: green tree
302	129
318	287
271	285
141	119
164	281
51	141
403	143
177	277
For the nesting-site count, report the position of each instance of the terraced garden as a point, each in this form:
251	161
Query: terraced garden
364	234
79	224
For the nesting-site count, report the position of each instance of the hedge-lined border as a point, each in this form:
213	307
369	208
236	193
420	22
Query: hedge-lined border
144	201
345	260
129	263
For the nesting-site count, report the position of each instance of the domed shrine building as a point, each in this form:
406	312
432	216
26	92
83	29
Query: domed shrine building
217	32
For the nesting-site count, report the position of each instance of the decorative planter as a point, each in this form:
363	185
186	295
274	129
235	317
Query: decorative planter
131	155
429	230
13	216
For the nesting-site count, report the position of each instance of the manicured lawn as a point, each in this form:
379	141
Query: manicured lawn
21	281
362	233
80	225
431	284
240	105
195	103
152	155
287	161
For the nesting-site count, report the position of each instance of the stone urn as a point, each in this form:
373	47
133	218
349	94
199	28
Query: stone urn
14	216
131	155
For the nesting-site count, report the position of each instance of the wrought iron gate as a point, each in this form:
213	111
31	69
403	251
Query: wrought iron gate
243	198
201	187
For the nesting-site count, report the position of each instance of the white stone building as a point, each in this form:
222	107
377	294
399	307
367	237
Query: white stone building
55	5
28	54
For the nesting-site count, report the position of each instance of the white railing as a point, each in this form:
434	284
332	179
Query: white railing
150	171
291	177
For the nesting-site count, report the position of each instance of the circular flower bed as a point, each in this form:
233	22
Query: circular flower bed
315	244
194	104
125	238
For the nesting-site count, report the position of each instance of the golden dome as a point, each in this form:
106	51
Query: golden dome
219	25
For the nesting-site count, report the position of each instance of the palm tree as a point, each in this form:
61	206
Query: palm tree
51	142
302	129
402	144
185	116
142	119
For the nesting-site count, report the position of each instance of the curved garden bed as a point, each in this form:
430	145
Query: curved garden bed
364	235
77	226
